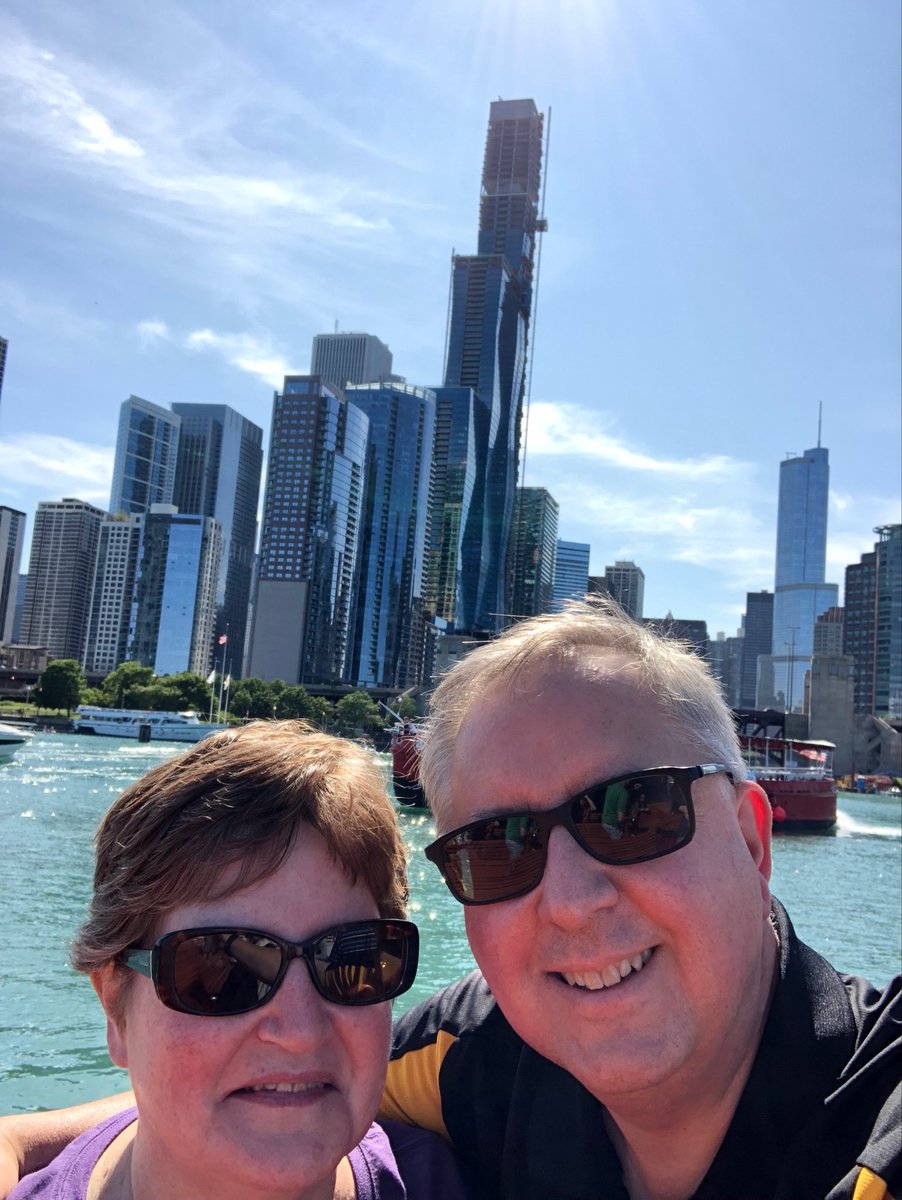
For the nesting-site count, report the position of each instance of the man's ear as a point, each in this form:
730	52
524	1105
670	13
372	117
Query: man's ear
754	813
107	983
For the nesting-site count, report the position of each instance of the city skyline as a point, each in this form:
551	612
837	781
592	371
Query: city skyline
722	256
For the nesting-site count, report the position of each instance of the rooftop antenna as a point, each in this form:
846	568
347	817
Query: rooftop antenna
448	314
336	324
820	413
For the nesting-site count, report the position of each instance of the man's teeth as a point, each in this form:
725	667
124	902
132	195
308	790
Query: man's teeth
284	1087
608	976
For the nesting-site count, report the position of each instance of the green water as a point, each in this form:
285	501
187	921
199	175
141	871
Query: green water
844	892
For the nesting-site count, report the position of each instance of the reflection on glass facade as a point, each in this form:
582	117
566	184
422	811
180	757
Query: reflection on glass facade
800	593
535	552
571	573
491	302
309	541
454	473
146	449
389	628
175	592
220	459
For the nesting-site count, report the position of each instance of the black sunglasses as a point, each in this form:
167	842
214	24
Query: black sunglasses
631	819
224	971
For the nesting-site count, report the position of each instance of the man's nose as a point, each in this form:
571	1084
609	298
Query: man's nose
574	884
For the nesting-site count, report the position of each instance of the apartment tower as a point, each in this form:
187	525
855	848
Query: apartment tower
60	576
217	474
304	607
389	627
535	552
12	539
488	337
146	451
345	358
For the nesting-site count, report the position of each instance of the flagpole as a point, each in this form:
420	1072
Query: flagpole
211	679
224	642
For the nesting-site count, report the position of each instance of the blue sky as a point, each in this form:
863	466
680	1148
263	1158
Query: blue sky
191	191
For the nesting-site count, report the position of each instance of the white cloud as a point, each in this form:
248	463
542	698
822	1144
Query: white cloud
567	429
152	331
251	353
65	467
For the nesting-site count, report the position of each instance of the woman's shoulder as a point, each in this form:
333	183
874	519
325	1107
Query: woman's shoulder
68	1175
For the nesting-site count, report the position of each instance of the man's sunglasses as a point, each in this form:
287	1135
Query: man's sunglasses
631	819
224	971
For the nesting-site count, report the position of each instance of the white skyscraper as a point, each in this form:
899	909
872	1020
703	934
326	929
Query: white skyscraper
343	358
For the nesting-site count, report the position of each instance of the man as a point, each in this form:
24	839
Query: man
645	1023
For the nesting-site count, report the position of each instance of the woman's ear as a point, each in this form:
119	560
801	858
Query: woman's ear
108	984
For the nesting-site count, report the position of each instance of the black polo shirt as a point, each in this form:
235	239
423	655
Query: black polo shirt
819	1118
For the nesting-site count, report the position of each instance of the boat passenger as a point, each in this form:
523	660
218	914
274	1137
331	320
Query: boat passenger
256	1075
645	1022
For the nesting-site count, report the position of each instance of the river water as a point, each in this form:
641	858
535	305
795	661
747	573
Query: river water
843	891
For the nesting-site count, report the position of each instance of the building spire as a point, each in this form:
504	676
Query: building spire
820	414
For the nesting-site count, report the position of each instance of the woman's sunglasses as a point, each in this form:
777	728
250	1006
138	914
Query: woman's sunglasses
631	819
224	971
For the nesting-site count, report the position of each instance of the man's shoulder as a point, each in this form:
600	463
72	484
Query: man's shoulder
466	1009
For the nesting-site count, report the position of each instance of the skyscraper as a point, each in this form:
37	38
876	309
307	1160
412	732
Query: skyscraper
800	593
625	583
12	539
146	450
112	592
453	478
756	644
571	572
389	626
872	628
491	303
60	576
344	358
535	552
304	605
217	474
175	591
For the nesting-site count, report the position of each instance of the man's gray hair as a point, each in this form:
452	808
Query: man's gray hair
679	680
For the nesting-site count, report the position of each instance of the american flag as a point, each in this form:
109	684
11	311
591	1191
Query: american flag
222	639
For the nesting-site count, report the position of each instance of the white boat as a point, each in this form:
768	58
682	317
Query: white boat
12	738
144	726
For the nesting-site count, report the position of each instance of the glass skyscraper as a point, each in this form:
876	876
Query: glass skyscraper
304	605
389	629
872	629
220	458
491	302
12	539
146	449
534	552
800	593
571	572
175	592
453	477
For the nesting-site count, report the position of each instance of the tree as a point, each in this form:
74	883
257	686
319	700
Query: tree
252	698
357	711
61	684
406	708
120	685
189	690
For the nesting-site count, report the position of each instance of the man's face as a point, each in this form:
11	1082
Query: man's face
698	917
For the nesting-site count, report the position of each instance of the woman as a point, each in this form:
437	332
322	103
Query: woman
255	1075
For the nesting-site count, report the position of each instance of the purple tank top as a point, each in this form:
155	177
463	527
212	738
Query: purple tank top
392	1162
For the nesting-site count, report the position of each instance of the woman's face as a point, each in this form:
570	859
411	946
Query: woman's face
271	1099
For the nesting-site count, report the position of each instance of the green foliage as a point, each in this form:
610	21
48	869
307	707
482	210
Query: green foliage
119	687
133	686
253	698
92	696
61	684
355	712
405	708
